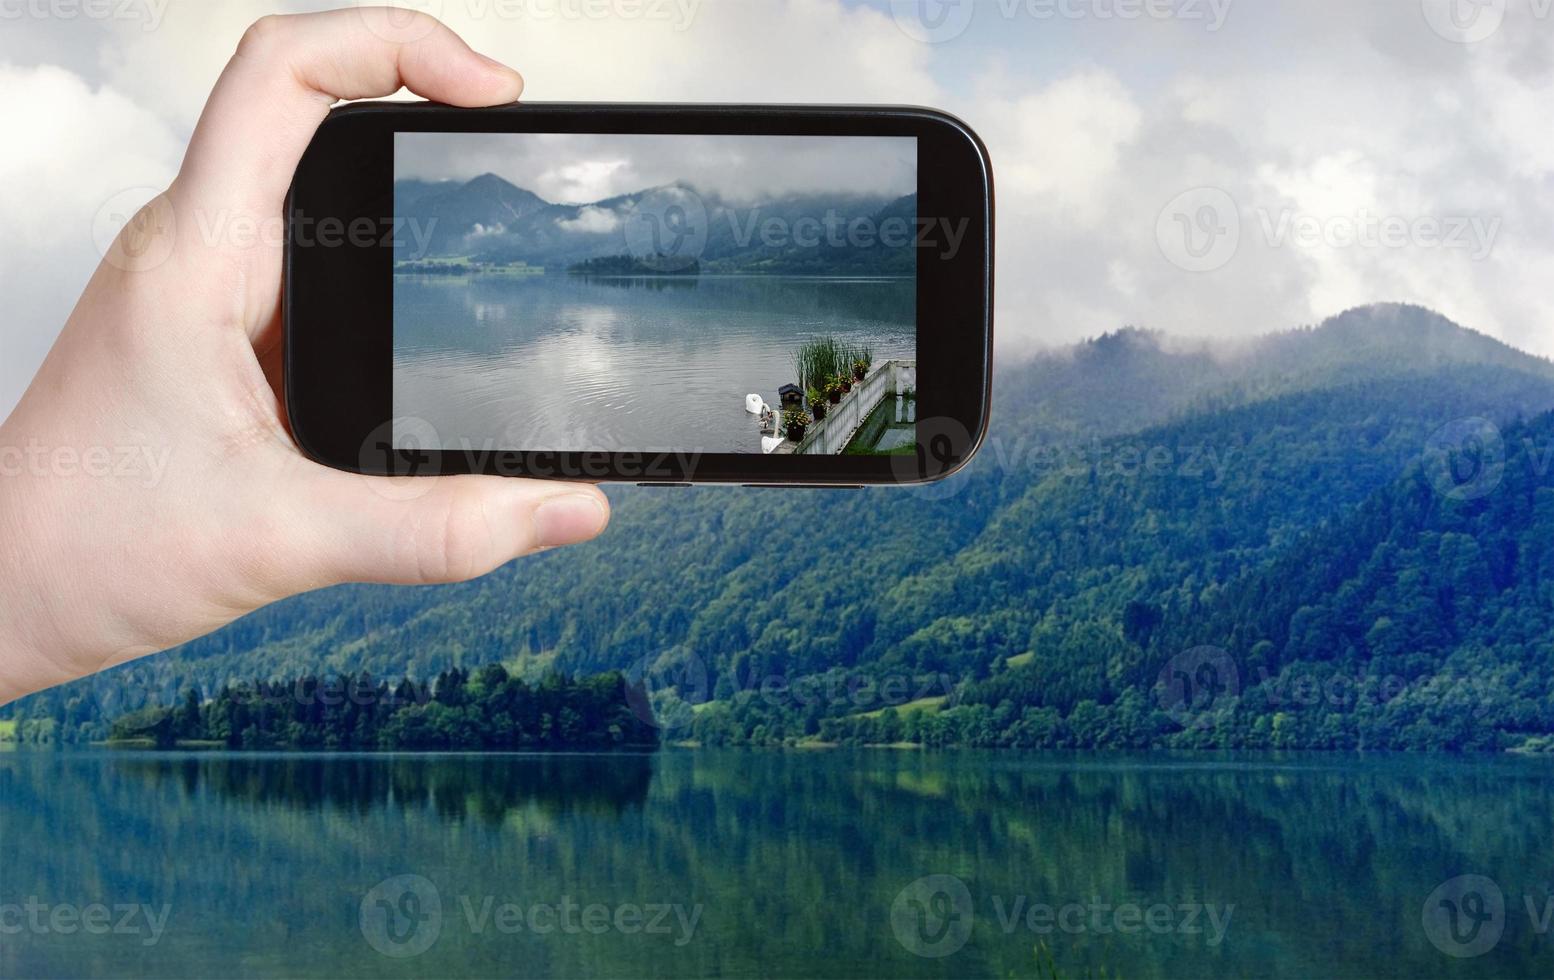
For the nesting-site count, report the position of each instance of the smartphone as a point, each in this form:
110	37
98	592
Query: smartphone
657	294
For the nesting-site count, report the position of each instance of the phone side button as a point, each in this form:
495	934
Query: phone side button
677	486
803	486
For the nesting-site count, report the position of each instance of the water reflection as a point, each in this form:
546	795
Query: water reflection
796	859
572	362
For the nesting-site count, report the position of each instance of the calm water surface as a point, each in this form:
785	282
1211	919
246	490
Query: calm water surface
569	362
794	860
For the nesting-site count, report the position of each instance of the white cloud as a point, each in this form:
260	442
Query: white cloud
1320	109
593	220
69	150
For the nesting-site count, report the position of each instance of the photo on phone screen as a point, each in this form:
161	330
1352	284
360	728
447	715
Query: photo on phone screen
648	293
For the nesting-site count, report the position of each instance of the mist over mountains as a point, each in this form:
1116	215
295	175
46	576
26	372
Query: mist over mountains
496	221
1364	505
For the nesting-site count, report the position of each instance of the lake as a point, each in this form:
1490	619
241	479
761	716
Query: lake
560	362
797	864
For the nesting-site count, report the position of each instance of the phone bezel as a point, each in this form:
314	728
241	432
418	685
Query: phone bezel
338	295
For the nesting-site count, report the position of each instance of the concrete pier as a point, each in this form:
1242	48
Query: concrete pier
831	434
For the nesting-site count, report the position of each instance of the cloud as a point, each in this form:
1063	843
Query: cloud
593	220
1302	114
70	149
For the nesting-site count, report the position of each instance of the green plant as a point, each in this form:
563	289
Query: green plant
817	360
814	394
861	358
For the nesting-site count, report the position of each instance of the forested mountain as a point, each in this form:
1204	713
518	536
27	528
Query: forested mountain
1288	503
495	221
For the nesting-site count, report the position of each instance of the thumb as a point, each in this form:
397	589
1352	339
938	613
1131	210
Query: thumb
431	530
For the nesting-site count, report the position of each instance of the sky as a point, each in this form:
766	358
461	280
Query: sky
575	168
1213	168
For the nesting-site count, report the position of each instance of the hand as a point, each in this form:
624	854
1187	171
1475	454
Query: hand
149	490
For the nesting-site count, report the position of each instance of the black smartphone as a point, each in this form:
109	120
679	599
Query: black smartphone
770	295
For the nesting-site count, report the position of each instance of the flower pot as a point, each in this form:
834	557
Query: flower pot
858	373
818	410
834	396
795	433
846	387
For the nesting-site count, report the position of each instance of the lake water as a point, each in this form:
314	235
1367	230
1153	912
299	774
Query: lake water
628	364
800	864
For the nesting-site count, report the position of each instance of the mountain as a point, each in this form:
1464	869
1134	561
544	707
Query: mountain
496	221
1140	498
460	217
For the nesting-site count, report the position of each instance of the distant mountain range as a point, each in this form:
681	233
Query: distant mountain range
1294	504
493	220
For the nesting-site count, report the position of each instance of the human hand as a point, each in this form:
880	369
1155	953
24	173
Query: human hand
149	489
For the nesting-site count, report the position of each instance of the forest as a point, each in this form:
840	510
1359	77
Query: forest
487	710
1336	537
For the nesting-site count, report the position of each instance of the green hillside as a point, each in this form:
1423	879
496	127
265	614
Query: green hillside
1132	489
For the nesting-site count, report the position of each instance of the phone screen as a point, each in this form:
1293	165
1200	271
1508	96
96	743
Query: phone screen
635	292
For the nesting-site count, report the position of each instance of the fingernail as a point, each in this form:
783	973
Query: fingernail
498	66
568	519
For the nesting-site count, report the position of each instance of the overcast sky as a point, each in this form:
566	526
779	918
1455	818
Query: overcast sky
1237	167
570	168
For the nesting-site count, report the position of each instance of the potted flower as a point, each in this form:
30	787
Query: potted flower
794	422
833	390
817	403
845	380
863	359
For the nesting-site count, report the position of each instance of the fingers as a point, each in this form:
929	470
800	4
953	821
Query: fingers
432	530
288	71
